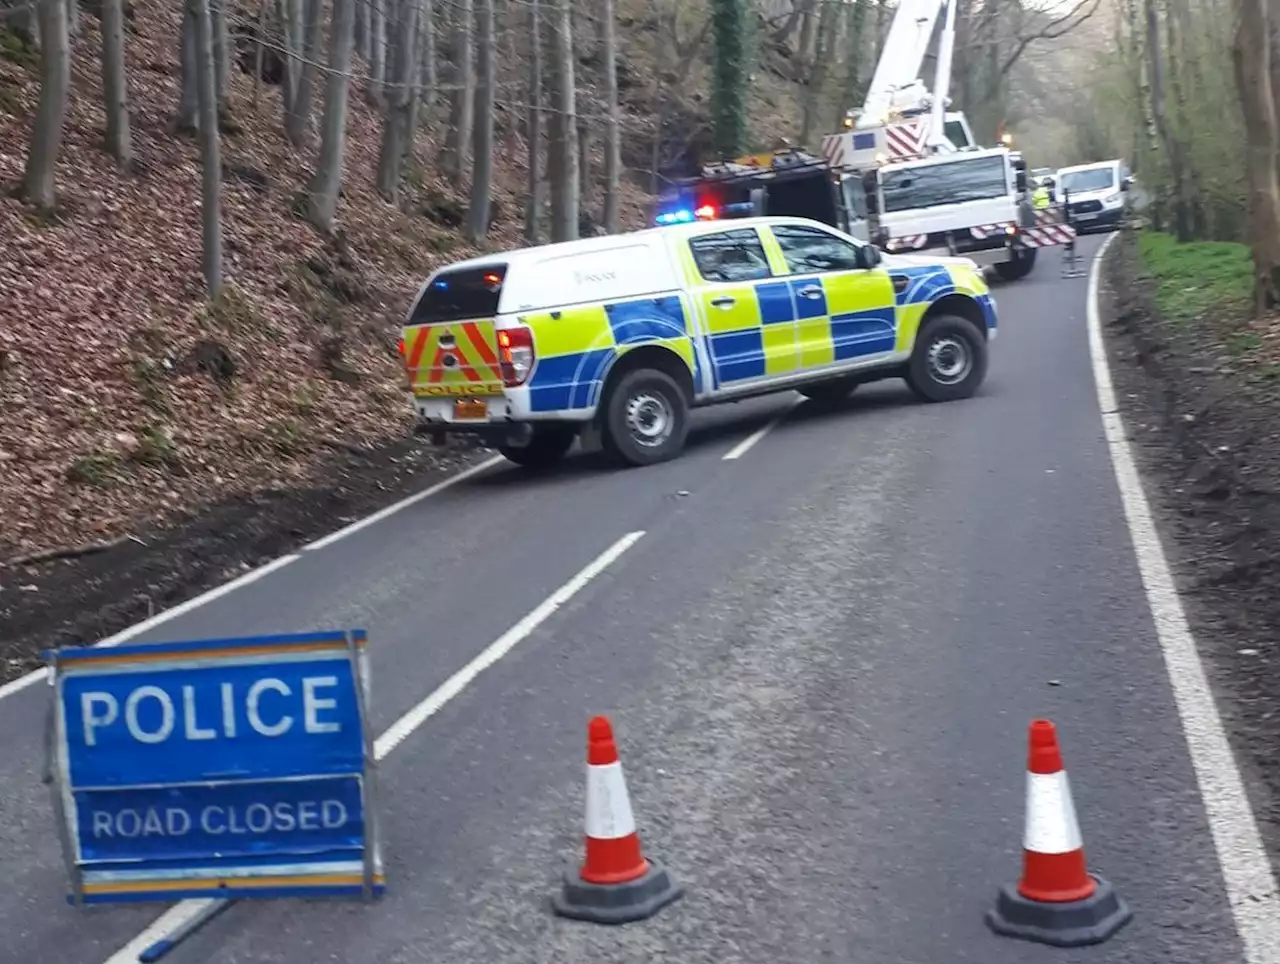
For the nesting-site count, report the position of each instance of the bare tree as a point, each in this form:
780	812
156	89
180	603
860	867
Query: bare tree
613	136
290	14
221	49
377	49
533	214
461	113
55	84
299	109
1251	55
563	166
189	97
482	146
398	125
210	161
322	194
114	89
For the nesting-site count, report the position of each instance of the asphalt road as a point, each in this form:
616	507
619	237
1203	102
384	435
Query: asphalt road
820	660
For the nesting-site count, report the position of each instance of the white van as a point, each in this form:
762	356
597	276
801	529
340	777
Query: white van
1095	194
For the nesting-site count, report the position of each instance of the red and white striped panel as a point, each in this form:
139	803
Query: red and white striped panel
908	242
989	230
833	149
1047	235
905	141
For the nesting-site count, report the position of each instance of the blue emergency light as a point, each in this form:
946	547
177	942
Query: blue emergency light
705	212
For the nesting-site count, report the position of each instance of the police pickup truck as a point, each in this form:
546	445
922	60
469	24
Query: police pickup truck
626	333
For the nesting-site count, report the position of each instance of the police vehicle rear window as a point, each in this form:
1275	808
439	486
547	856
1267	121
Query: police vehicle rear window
460	295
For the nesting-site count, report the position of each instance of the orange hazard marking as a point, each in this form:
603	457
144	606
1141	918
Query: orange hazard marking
477	361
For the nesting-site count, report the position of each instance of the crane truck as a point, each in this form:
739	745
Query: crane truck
905	173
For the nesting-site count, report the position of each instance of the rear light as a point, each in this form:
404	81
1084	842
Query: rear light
400	348
515	355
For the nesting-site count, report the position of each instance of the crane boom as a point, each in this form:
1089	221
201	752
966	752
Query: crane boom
898	69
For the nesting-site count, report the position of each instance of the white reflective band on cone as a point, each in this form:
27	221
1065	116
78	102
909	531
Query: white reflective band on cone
1052	827
608	806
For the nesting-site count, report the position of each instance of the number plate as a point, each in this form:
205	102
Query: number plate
470	409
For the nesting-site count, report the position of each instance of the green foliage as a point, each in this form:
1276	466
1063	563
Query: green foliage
18	50
729	76
97	469
1199	279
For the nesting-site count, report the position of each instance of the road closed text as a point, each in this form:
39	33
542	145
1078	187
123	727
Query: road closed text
281	817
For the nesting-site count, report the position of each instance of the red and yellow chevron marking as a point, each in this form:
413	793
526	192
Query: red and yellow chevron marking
464	360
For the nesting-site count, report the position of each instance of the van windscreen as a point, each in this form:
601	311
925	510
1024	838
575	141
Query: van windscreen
461	295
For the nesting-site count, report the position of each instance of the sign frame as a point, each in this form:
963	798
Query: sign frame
232	876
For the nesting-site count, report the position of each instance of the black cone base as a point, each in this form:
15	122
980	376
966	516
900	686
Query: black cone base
637	899
1089	921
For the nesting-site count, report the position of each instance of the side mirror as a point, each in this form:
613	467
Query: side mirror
880	237
1126	183
868	256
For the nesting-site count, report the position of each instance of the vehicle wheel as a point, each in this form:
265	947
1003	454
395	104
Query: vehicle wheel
830	392
949	360
646	418
545	448
1024	259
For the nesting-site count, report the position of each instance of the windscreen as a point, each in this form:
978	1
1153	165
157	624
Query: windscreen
1090	179
461	295
955	182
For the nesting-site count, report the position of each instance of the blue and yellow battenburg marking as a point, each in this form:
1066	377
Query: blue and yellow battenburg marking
755	330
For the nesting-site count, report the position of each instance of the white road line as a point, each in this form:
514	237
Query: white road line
402	504
743	447
176	916
22	682
1246	870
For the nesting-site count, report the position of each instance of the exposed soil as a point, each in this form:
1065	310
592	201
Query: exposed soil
89	597
1206	426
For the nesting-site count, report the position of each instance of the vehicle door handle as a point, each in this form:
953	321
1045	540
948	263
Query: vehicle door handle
810	291
724	302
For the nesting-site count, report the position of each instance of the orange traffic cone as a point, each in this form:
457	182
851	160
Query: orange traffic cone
615	883
1057	901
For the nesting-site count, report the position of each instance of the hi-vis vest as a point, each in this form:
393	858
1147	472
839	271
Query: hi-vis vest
1041	197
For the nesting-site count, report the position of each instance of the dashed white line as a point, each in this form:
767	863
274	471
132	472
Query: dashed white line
1246	870
22	682
175	917
743	447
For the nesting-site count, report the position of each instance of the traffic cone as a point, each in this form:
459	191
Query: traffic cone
615	884
1057	901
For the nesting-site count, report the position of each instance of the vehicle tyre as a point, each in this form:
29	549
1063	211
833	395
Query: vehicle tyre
646	418
1024	259
830	392
949	360
545	448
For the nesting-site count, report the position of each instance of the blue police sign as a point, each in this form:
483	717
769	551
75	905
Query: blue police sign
216	768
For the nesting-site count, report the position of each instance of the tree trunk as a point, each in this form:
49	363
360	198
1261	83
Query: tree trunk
55	86
564	153
322	194
729	75
290	13
114	90
1173	149
461	113
210	162
482	148
299	118
818	69
378	49
189	97
613	131
853	63
1251	55
533	214
396	124
428	81
259	55
73	19
221	50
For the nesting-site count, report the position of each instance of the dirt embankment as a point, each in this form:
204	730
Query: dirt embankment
1200	393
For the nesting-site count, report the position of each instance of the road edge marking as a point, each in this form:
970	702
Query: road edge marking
748	443
1247	873
395	734
253	575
